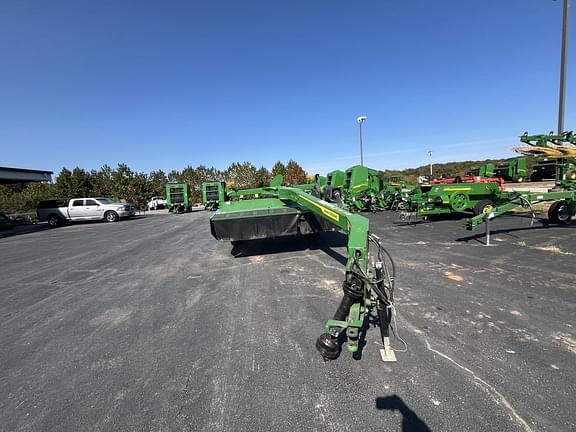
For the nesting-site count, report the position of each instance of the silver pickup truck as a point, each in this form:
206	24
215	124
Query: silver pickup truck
57	211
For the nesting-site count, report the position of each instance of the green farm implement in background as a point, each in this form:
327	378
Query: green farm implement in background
362	188
394	192
315	187
514	170
334	189
560	212
368	283
456	197
559	152
486	170
213	194
178	197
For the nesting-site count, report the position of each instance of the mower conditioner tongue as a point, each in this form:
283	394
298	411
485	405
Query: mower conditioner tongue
369	281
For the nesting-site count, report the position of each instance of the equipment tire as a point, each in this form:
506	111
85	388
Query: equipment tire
111	216
459	202
559	213
483	206
54	221
337	198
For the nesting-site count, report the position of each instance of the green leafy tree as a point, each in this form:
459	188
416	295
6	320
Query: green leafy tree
122	178
295	174
243	175
262	177
36	192
278	168
102	181
139	190
157	180
64	183
173	176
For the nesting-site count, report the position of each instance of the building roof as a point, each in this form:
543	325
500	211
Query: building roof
22	175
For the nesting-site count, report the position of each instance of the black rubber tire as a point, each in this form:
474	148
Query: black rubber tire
54	221
558	213
337	198
479	208
111	216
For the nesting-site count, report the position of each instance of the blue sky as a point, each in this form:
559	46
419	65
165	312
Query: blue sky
164	84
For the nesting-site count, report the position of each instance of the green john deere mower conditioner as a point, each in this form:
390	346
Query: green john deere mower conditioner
369	281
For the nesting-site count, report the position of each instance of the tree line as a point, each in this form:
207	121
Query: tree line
138	187
449	169
123	183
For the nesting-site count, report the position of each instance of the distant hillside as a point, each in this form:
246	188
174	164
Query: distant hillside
452	168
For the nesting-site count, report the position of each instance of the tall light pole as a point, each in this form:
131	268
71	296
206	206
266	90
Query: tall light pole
360	120
563	61
430	161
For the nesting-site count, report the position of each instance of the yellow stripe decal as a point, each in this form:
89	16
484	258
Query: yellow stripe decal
327	212
457	189
360	185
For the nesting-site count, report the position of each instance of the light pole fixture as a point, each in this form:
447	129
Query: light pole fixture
430	161
360	120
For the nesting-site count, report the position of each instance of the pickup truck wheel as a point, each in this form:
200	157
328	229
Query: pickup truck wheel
53	221
111	216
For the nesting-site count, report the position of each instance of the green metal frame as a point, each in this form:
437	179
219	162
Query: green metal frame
362	189
355	226
178	197
525	199
445	198
213	193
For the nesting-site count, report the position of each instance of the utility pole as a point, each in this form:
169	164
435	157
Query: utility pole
563	61
430	162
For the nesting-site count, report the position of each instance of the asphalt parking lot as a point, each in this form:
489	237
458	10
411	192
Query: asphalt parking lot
152	325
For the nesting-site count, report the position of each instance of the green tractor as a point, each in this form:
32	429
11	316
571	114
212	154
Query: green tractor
213	194
178	197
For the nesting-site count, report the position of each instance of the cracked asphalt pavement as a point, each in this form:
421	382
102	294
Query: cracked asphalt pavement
152	325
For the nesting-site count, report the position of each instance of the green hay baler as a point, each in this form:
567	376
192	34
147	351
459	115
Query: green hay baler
363	189
213	194
457	197
178	197
334	189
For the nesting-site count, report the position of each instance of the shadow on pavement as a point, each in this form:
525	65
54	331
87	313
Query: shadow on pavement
410	421
23	229
324	241
34	228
